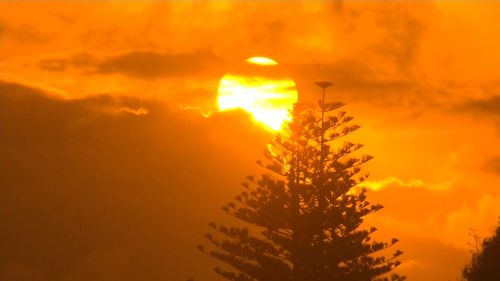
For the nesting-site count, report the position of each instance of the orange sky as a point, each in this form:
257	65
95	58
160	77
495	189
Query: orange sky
103	173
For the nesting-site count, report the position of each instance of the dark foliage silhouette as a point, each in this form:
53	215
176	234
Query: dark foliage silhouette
304	214
485	263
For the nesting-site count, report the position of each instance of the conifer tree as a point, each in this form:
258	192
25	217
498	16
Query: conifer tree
304	214
485	263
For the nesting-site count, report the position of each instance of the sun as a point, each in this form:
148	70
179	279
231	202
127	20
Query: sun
260	88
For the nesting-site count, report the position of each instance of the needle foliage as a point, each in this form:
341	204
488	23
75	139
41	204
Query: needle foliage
302	218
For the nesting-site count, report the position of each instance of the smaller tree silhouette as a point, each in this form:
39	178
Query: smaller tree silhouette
485	263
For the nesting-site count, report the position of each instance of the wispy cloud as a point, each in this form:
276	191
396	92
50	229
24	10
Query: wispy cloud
197	109
135	111
411	183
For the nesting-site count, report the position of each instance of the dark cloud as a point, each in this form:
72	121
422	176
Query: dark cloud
88	194
489	105
15	89
148	65
351	75
80	61
139	64
355	81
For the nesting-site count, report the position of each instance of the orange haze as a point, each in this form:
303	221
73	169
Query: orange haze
103	176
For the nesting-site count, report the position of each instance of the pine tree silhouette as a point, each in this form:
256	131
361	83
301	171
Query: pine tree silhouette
304	214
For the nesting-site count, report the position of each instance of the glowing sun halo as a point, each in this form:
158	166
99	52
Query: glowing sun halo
258	91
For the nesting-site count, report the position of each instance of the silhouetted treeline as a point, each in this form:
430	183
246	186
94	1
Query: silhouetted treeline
485	262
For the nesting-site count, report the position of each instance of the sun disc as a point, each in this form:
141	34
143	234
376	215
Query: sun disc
268	98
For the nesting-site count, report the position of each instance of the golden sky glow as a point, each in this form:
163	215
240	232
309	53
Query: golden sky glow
101	117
